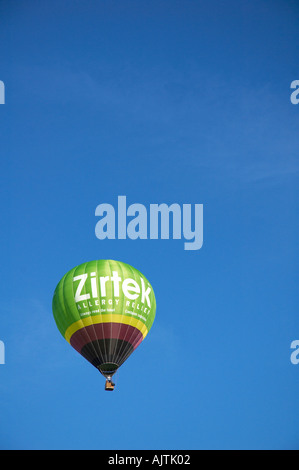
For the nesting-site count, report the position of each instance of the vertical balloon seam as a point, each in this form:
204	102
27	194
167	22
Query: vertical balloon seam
123	346
121	298
124	352
83	330
101	317
61	303
104	316
151	321
98	350
135	273
63	299
70	274
116	353
146	327
152	318
87	322
136	341
145	330
100	302
55	307
111	316
128	320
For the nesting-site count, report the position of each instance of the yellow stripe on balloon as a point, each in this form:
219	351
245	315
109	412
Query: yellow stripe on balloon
95	319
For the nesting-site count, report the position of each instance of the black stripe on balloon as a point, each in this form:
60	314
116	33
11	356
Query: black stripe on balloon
106	351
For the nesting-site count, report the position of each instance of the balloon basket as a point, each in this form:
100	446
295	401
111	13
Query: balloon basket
109	385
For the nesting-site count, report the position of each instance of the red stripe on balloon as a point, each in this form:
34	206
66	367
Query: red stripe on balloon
106	331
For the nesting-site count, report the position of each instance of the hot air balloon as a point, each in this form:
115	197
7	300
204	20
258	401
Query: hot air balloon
104	309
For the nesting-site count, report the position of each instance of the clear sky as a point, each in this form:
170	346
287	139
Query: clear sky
162	101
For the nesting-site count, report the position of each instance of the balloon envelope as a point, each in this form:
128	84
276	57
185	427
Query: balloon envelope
104	309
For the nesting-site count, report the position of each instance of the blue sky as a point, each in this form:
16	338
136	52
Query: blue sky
161	101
